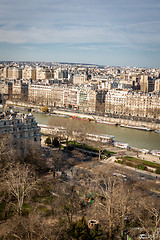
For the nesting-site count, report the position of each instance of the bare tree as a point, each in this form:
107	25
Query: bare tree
32	227
148	214
81	131
63	128
19	179
74	129
7	152
35	157
112	201
100	146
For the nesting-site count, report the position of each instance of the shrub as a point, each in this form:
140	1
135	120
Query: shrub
44	109
25	209
141	167
80	230
48	141
70	148
55	142
157	171
120	161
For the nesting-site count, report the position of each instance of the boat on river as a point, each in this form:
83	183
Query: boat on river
103	138
145	151
122	145
157	131
156	153
135	127
81	118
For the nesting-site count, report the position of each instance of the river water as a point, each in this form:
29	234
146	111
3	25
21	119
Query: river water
135	138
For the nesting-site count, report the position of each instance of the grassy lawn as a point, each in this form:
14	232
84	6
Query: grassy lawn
89	148
139	163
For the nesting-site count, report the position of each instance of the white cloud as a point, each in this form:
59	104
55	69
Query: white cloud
128	35
126	23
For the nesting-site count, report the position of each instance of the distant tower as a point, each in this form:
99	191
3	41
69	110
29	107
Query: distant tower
146	83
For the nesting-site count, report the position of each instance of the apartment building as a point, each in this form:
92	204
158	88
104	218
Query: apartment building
15	90
87	100
43	73
29	73
133	105
39	94
5	72
14	73
125	104
20	126
143	106
71	98
57	95
115	102
157	85
146	83
79	79
4	88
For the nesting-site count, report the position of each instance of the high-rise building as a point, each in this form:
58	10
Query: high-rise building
29	73
14	73
157	85
146	83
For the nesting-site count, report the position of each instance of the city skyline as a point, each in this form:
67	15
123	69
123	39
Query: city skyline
117	33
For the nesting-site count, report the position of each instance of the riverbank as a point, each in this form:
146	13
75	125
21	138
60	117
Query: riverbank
118	152
66	112
136	139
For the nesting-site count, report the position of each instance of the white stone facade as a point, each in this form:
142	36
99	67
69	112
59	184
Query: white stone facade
20	125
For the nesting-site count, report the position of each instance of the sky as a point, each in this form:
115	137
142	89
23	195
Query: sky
104	32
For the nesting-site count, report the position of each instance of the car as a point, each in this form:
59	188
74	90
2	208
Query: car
143	236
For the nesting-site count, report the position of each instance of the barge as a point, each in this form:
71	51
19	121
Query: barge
135	127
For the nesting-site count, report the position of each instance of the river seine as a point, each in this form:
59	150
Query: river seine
135	138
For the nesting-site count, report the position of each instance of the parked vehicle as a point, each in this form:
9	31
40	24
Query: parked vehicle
156	153
122	145
143	236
